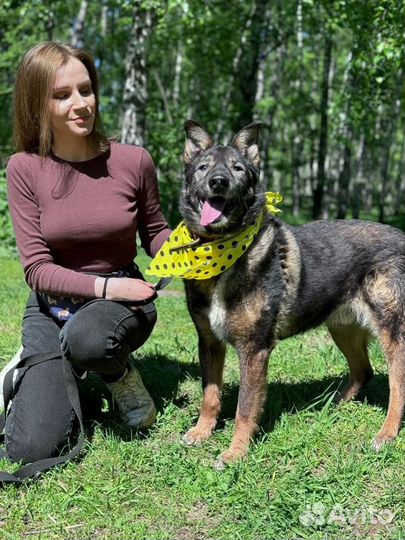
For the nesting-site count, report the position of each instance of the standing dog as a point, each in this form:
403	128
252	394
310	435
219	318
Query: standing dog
347	274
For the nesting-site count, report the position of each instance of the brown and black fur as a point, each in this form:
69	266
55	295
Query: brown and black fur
349	275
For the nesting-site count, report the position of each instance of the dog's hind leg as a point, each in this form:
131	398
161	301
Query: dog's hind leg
212	358
386	297
352	340
395	355
252	395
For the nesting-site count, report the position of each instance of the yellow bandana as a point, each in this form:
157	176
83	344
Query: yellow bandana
209	259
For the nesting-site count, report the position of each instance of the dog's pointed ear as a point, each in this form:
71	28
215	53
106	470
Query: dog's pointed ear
246	141
197	140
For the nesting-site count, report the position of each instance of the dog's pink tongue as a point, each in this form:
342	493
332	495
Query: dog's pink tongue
211	211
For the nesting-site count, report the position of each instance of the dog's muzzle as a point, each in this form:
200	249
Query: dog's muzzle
218	184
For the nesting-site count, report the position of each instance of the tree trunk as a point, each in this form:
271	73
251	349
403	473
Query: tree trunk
177	75
235	74
370	167
165	100
135	93
296	194
272	88
296	159
50	24
399	184
345	176
359	180
323	134
243	94
77	39
388	128
297	142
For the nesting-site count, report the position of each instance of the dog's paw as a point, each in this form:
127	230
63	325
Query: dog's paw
219	464
195	436
338	398
346	395
229	456
381	440
225	459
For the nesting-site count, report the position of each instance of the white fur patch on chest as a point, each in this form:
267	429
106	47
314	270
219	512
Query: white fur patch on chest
217	312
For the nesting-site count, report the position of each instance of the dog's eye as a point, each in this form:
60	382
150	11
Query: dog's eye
237	167
202	167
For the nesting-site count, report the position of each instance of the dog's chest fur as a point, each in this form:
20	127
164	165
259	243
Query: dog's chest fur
250	300
208	305
217	312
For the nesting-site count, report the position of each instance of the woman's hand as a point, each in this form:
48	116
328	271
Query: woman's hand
125	289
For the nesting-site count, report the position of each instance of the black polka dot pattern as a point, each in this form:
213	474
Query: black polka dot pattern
200	261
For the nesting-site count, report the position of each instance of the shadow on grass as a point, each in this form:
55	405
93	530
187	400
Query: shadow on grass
163	375
314	394
285	397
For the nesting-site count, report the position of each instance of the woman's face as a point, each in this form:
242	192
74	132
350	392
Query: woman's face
73	103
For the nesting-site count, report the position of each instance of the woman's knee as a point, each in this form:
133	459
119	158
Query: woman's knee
24	451
101	335
30	447
29	437
144	321
92	350
40	418
82	343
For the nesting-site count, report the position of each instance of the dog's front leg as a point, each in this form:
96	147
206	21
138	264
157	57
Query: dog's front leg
212	357
252	395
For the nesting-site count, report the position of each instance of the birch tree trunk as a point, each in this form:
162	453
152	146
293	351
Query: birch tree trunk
177	75
370	165
346	172
235	74
345	176
384	170
78	26
242	87
50	25
323	133
274	89
400	180
135	93
388	126
296	177
297	143
360	180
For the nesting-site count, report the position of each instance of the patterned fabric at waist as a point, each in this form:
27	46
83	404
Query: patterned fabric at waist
63	308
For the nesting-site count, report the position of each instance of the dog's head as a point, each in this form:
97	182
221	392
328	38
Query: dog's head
221	192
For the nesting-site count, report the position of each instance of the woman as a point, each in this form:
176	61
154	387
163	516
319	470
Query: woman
77	201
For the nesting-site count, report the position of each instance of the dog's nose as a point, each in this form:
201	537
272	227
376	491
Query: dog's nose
218	182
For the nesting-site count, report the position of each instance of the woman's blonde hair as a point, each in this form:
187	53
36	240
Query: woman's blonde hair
33	91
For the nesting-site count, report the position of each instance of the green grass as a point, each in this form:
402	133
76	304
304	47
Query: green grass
309	453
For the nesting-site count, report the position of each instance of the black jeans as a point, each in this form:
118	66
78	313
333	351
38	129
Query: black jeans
99	338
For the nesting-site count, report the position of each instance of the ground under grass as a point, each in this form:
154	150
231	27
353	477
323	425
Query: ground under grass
311	472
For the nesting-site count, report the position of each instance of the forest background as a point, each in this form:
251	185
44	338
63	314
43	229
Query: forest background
325	77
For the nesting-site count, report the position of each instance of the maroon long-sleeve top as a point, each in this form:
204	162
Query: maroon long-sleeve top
71	218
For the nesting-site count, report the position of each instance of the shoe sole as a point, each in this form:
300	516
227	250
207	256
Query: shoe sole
8	367
148	422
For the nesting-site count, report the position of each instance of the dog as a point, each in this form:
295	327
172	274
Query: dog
349	275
